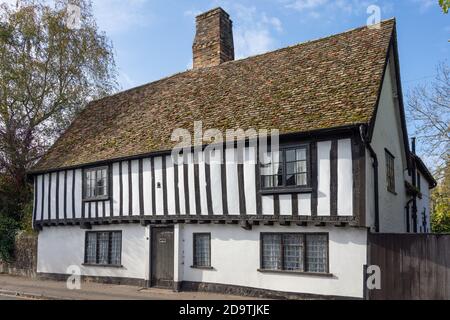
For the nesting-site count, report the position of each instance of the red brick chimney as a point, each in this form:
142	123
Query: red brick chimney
213	42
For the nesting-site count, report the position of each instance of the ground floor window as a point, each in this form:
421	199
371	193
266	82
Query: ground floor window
103	248
202	250
294	252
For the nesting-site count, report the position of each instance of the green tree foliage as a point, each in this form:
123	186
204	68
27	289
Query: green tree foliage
445	5
440	220
52	63
8	229
48	72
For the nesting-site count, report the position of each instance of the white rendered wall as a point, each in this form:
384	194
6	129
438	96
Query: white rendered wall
388	134
61	247
423	204
235	257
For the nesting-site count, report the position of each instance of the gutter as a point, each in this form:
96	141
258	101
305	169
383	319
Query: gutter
374	157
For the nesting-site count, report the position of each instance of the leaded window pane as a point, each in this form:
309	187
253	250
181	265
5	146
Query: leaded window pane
294	161
272	171
202	250
316	253
301	166
301	154
103	247
295	252
291	167
293	247
271	252
96	183
116	248
290	180
91	248
296	167
301	179
291	156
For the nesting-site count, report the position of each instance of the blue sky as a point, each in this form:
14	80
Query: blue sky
153	38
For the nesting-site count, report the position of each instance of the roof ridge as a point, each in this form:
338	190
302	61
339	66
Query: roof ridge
294	98
301	43
238	61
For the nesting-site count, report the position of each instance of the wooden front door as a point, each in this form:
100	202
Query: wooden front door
162	252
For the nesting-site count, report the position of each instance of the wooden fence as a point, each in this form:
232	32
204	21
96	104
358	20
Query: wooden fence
413	266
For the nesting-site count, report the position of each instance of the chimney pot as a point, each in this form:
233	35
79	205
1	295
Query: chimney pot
213	42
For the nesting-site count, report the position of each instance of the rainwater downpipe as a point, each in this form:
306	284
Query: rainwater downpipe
374	157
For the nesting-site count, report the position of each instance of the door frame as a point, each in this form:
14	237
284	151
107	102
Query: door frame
151	231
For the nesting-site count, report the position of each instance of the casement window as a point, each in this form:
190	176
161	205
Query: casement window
286	168
103	248
95	183
202	250
294	252
390	171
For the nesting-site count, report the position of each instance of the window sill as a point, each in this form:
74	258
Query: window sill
285	191
301	273
202	268
102	265
96	199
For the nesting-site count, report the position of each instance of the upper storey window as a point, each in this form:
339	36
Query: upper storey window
96	183
390	172
286	168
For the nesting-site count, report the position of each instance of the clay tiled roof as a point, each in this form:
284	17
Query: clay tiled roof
326	83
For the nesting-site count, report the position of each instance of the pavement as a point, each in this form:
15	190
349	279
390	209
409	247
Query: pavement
16	288
2	298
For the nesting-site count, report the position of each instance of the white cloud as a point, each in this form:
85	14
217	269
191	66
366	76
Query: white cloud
328	9
424	5
125	81
190	65
275	22
252	42
192	13
117	16
113	16
253	31
302	5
